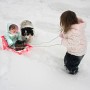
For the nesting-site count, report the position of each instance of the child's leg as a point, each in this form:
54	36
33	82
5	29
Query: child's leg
72	62
65	60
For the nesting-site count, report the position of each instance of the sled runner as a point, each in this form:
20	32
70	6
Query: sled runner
5	47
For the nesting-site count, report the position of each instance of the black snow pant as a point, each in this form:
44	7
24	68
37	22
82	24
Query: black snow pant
71	61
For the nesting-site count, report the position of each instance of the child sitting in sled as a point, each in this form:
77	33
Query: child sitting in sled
13	37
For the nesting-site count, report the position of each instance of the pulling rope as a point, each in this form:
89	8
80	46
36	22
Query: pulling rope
38	45
48	45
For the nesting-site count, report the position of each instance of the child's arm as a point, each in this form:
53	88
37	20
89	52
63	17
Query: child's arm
80	20
9	41
61	34
19	36
71	38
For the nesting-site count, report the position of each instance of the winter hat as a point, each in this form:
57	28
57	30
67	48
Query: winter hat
26	23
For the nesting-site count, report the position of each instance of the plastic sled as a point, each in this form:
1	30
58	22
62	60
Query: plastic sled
5	47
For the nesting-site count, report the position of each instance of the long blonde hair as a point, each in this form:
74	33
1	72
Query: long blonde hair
67	19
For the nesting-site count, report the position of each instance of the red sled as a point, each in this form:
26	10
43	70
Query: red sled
5	47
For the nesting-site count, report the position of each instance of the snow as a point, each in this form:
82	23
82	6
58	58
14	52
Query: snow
42	68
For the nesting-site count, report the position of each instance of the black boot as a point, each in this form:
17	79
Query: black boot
75	71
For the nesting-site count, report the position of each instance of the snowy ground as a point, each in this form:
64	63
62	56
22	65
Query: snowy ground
42	68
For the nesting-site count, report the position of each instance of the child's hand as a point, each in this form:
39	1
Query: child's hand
80	20
61	34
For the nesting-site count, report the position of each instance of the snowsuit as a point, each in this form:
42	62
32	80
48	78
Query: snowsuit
11	39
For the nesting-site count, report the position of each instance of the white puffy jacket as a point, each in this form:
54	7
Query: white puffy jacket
75	40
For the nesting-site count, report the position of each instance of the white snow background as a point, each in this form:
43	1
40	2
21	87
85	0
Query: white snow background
42	68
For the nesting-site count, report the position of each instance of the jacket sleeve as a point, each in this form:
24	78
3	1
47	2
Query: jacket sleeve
61	34
9	41
19	36
82	23
69	39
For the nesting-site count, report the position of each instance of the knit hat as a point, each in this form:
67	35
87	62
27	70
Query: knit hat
26	23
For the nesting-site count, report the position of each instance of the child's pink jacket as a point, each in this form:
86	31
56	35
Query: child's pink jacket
75	40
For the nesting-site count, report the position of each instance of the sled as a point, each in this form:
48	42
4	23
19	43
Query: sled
5	47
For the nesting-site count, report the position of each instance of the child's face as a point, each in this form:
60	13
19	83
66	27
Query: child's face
13	31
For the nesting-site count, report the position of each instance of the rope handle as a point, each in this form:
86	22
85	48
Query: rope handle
46	41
